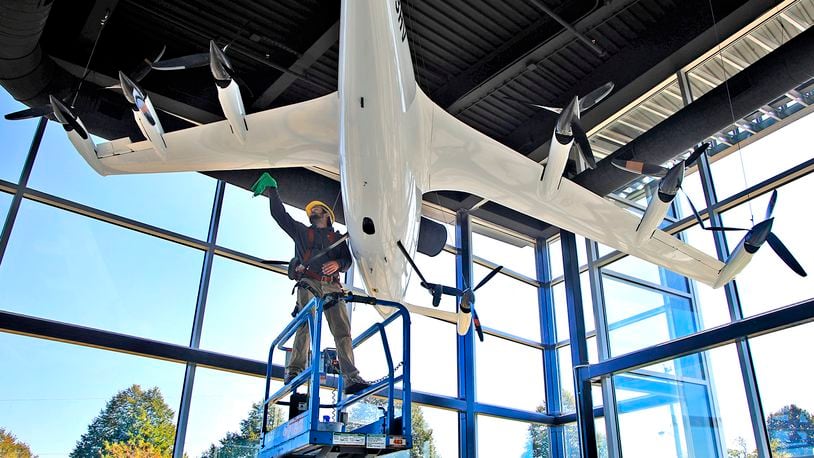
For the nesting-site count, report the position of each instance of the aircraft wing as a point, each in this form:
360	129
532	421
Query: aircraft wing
299	135
463	159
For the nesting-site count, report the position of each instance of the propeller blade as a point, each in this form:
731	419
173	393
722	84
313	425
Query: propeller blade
488	277
595	96
725	228
785	255
184	62
476	323
553	110
145	68
66	117
694	210
640	168
582	141
772	202
696	153
412	263
28	113
701	222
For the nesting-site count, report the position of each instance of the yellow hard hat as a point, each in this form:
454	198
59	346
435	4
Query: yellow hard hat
317	203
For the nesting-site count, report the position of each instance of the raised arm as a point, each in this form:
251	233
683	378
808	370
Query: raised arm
286	222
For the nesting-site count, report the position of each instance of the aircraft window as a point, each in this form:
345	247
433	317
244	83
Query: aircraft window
496	357
179	202
16	137
501	437
247	226
248	301
767	283
58	389
518	259
66	267
227	397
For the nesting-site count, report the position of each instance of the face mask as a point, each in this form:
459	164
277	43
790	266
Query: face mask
314	218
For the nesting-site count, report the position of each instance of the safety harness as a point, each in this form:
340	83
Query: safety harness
309	256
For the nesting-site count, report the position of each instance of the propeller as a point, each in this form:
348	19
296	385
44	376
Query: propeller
761	232
577	130
48	110
466	303
657	171
221	67
67	118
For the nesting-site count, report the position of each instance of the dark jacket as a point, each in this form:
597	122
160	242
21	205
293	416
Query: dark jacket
299	233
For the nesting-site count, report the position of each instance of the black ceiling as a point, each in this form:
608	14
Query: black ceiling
469	57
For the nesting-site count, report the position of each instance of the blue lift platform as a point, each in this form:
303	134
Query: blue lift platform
304	434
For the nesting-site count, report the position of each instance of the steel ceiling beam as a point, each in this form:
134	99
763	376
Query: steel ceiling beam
513	57
767	79
322	34
674	42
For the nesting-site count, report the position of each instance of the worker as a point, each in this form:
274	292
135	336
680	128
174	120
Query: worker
319	276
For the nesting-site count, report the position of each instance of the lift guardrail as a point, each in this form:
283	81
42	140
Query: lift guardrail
305	433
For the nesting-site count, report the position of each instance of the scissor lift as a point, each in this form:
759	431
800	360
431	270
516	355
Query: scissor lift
305	434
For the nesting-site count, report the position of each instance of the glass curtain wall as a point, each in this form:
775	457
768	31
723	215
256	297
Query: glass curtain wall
171	261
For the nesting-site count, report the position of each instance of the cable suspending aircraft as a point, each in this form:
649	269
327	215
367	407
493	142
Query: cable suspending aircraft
390	144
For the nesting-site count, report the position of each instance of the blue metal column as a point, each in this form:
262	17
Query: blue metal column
579	346
467	425
22	185
548	326
197	323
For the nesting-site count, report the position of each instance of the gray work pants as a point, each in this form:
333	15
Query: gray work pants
338	322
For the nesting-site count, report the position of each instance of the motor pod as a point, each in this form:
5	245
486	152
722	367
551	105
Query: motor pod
660	203
561	142
231	100
743	253
145	115
77	133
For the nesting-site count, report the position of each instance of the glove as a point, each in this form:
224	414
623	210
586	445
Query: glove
265	181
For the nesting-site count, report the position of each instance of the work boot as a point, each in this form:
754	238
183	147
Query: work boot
290	374
355	384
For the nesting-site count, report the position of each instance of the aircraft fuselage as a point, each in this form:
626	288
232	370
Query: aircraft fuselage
382	130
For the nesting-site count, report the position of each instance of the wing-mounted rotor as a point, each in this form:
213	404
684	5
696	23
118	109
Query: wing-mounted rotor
751	242
226	80
669	185
568	130
466	315
75	129
144	113
47	110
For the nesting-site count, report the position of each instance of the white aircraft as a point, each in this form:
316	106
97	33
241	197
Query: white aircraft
390	144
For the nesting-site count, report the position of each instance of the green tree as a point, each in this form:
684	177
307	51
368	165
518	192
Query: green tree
11	447
539	443
368	411
133	420
245	442
790	428
740	450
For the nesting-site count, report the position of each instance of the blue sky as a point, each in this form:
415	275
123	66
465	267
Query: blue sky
66	267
